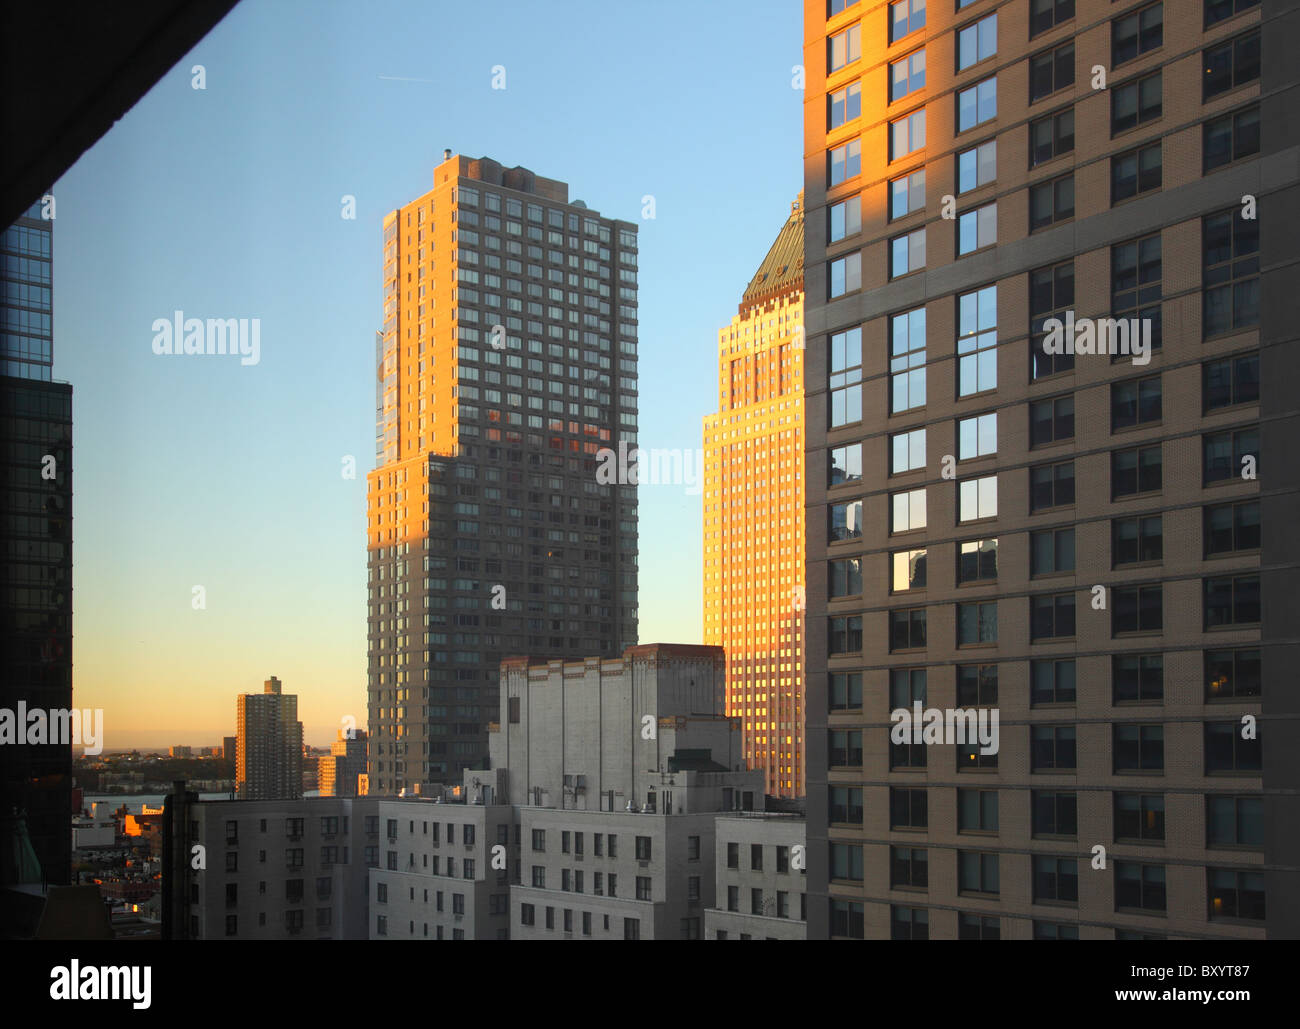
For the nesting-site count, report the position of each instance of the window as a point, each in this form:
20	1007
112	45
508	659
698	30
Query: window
908	808
1229	381
977	873
1139	816
978	927
909	868
907	194
1052	680
631	928
846	219
905	17
1135	402
643	848
977	166
1052	748
906	685
1047	14
846	104
846	520
846	577
1051	70
845	635
845	806
907	360
846	274
1051	136
977	623
846	377
846	916
1227	751
1230	272
906	75
977	104
1055	814
1051	551
1051	202
1220	10
845	464
1231	64
1234	894
1051	420
643	887
907	629
1230	138
1051	485
1139	886
977	560
906	135
1134	540
1230	674
846	861
846	691
907	451
539	839
1051	294
977	810
1139	748
845	161
908	923
1051	617
1137	609
1224	454
1136	271
1135	103
1234	821
977	341
908	570
1056	880
1231	600
977	41
978	498
977	228
976	437
1136	33
1136	171
843	48
907	253
1135	471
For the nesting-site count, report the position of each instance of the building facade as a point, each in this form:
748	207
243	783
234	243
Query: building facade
753	459
1005	516
762	875
36	526
269	762
506	362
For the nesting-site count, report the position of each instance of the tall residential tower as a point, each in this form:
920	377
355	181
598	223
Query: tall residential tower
506	362
754	513
269	748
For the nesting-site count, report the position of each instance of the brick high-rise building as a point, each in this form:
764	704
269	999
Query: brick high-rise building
753	459
269	747
1074	540
506	362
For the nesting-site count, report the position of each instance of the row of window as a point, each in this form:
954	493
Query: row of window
1052	748
776	906
602	844
631	926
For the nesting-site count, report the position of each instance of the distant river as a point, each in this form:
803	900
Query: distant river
135	802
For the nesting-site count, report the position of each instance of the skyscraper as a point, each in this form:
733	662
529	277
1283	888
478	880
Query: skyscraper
754	513
36	527
506	362
1069	536
269	747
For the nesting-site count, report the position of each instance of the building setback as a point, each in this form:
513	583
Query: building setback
754	577
36	531
506	362
1076	542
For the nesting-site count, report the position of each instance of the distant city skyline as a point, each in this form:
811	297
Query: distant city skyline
212	471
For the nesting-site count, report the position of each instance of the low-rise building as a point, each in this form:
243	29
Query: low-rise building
761	878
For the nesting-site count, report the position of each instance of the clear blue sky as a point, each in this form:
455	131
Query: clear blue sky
226	203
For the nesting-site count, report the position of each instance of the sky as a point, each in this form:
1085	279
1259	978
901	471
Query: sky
227	202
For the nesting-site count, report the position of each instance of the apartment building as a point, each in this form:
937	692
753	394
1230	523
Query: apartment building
268	763
762	872
753	461
339	769
506	363
1091	541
